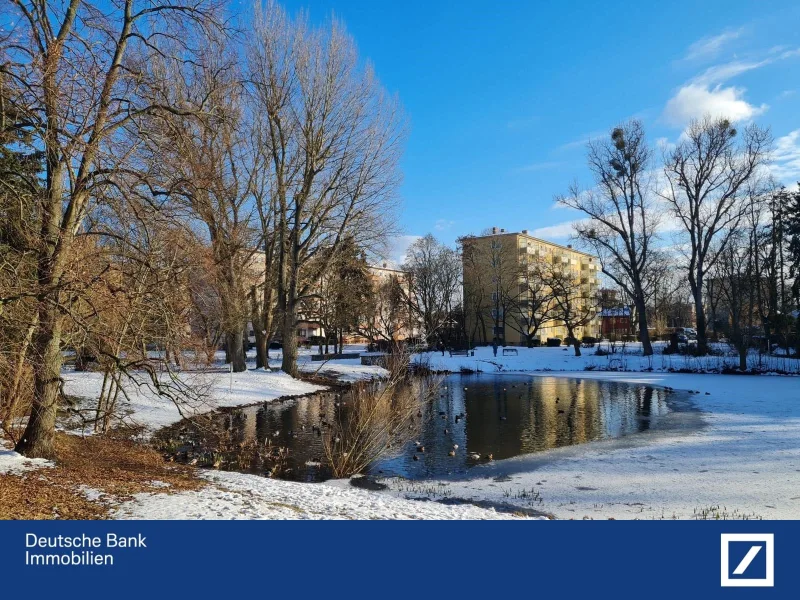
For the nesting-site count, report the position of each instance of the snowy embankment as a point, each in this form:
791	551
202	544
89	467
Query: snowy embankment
239	496
630	358
144	407
342	370
744	463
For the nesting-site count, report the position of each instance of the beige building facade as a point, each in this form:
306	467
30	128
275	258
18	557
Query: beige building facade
506	294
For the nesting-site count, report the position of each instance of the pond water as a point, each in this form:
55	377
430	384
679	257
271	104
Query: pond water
497	416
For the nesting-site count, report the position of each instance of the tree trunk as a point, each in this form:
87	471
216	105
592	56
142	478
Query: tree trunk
644	334
289	362
575	342
261	349
234	345
38	439
696	285
702	337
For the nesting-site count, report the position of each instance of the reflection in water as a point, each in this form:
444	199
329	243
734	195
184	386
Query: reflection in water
483	415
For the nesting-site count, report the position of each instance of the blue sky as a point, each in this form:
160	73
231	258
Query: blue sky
501	97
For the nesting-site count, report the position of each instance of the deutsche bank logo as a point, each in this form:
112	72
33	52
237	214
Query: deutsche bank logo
748	560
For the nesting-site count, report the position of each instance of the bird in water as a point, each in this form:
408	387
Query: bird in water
451	453
455	446
475	456
416	457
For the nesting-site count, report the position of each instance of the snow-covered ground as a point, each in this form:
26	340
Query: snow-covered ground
145	407
563	358
15	464
239	496
746	461
218	388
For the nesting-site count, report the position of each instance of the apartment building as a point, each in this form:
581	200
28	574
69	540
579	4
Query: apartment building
504	280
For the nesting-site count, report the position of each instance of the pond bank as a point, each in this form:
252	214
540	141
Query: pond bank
744	464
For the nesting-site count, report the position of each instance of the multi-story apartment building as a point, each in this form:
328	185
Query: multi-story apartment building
506	288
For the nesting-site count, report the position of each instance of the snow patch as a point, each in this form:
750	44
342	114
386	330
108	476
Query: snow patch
240	496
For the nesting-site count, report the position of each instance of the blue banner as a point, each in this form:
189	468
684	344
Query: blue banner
563	559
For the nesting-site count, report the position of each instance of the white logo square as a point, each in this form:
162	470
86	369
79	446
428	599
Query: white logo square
768	541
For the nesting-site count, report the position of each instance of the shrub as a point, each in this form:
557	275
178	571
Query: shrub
588	339
553	342
536	342
570	341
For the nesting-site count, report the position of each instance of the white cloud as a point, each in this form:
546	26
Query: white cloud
695	101
559	231
725	71
664	144
786	165
710	46
398	249
704	94
443	225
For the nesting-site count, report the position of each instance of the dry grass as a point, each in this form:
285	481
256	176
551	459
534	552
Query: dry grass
382	418
116	467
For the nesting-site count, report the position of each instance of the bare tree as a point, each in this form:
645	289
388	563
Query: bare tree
708	178
77	71
386	317
475	299
622	221
433	279
207	163
333	140
263	294
534	306
573	302
501	262
736	285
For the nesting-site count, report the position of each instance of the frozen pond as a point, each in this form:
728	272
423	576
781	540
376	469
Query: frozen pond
471	420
